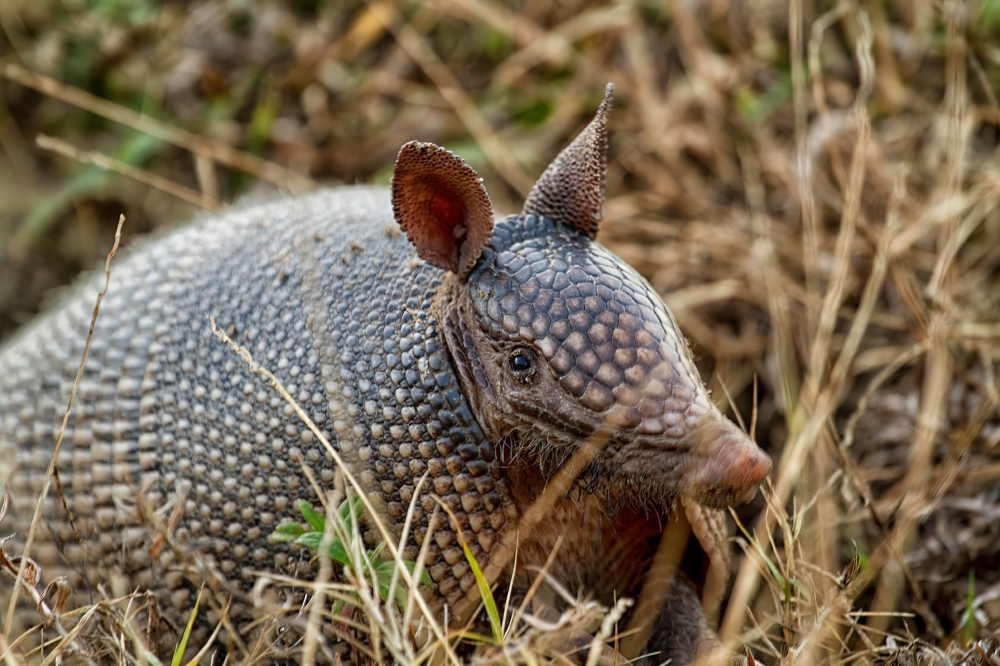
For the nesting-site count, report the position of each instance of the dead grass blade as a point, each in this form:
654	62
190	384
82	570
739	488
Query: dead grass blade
216	151
102	161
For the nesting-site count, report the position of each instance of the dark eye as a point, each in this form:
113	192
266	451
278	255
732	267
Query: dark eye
522	366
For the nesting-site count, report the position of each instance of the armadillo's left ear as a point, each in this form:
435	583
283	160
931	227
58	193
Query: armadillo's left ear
571	191
441	204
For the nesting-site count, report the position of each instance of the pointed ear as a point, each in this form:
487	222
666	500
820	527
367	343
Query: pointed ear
441	204
571	191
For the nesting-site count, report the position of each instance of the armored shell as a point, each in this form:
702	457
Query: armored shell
481	354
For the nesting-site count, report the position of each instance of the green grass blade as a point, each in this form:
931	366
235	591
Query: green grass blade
182	646
484	590
969	633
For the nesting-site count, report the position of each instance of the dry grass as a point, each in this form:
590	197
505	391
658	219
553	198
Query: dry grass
811	185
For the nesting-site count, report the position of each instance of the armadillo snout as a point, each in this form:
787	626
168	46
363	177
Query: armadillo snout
727	466
678	436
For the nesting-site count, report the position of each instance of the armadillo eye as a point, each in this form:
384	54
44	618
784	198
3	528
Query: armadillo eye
521	366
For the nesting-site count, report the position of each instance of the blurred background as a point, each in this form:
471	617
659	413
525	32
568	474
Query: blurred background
812	185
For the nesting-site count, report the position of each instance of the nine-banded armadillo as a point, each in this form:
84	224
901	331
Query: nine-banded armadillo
482	352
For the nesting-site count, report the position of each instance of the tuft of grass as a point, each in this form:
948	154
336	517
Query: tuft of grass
374	567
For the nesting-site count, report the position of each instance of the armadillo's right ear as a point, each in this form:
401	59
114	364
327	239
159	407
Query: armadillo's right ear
441	204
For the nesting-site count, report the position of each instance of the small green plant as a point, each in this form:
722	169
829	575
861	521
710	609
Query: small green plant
373	567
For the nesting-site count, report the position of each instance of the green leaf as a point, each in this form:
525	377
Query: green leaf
338	553
425	575
287	532
797	584
484	590
175	660
400	589
350	510
310	540
383	592
315	520
758	107
384	569
383	574
383	589
989	15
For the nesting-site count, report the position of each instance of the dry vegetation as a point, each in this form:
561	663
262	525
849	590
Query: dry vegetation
811	185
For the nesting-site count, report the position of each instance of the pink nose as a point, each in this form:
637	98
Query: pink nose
729	466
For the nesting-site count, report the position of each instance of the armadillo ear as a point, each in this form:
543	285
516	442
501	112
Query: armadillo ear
571	191
441	204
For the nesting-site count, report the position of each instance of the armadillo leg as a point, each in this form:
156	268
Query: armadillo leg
680	628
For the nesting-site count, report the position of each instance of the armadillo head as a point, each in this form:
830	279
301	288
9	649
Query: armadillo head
559	342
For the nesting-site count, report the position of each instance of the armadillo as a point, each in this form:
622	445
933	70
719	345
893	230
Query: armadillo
421	335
